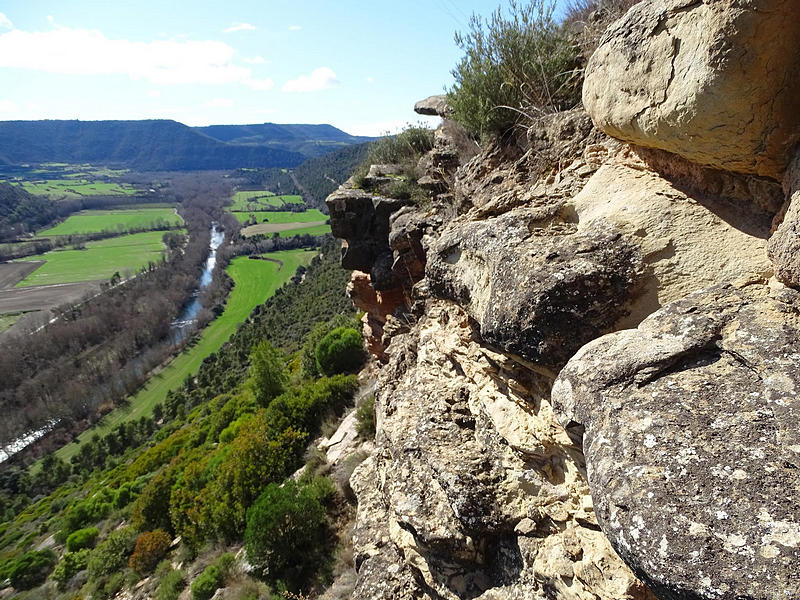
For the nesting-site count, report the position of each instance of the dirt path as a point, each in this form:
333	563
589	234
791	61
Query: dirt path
303	191
275	260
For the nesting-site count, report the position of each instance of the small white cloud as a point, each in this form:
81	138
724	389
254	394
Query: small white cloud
294	28
378	128
219	103
7	106
256	60
370	80
5	22
239	27
154	94
50	19
319	79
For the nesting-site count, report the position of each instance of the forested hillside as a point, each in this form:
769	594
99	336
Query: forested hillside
318	177
309	140
144	145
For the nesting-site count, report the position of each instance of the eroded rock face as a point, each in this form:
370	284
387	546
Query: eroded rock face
474	491
535	293
362	220
784	245
717	82
692	442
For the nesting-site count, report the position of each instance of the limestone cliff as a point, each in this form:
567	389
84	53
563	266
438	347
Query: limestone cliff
590	352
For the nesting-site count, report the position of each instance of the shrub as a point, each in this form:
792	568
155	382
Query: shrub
71	564
365	418
150	509
83	538
207	583
171	586
150	548
32	568
521	64
588	20
285	533
266	370
340	351
112	554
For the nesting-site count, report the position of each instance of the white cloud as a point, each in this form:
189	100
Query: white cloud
294	28
319	79
256	60
370	80
7	106
5	22
154	94
50	19
161	62
219	103
239	27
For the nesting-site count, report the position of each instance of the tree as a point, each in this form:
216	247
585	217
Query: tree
149	550
285	535
340	351
266	370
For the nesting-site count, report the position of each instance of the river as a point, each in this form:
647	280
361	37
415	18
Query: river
183	326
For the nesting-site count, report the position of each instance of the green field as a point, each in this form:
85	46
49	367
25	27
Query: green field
100	260
92	221
254	282
315	230
283	216
253	200
75	188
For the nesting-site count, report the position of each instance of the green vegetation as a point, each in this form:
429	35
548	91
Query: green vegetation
31	569
266	371
91	221
340	351
308	216
7	320
520	65
75	188
246	201
316	230
197	469
83	538
285	536
254	282
403	150
365	418
100	260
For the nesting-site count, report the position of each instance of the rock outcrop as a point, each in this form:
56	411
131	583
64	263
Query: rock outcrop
475	491
692	442
784	245
653	271
715	81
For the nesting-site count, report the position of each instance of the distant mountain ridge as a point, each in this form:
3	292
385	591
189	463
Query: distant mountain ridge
309	140
152	145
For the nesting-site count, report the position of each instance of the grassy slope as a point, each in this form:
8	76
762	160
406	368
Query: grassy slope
100	260
73	188
90	221
316	230
255	281
244	201
283	216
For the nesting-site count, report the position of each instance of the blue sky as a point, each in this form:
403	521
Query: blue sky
357	65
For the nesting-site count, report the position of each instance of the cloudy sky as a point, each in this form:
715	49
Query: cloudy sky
358	65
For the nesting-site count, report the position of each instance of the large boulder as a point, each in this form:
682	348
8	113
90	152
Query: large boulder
716	81
692	442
